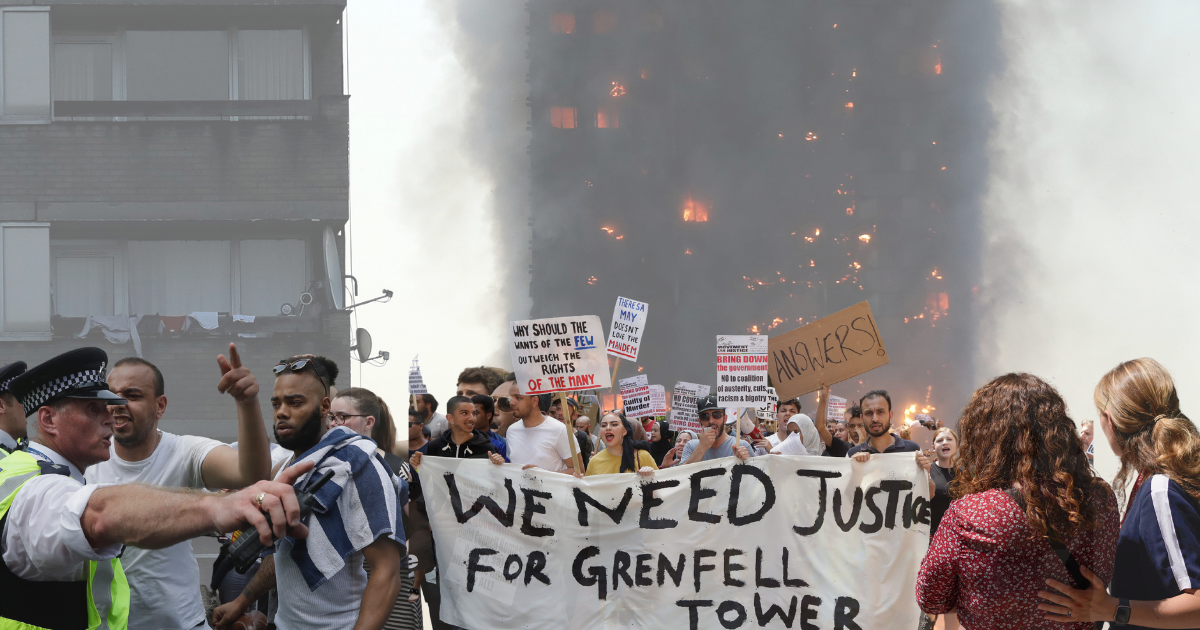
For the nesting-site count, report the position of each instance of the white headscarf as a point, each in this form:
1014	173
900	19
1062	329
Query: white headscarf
808	434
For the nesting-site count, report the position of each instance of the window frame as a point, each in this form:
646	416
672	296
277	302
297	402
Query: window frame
6	119
119	60
117	249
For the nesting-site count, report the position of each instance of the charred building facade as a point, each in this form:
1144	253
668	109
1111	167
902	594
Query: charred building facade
171	176
750	167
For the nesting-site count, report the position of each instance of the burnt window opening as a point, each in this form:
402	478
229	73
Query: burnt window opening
607	117
563	118
695	210
562	23
604	21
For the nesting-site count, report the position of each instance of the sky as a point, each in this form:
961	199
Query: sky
1089	207
421	224
1092	198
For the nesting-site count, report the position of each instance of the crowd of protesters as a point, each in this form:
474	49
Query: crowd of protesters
1024	534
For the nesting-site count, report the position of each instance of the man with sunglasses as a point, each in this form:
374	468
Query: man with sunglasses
713	443
321	581
416	433
504	411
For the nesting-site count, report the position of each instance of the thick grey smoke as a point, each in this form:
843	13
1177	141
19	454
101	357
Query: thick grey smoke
1092	196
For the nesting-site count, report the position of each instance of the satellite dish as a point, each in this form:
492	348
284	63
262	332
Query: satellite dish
362	340
333	269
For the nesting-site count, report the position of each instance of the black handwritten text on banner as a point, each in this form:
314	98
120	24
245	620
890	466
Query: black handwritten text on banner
559	354
776	542
831	349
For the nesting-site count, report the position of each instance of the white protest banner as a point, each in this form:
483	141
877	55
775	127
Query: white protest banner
741	370
658	400
683	406
558	354
635	392
776	542
628	325
836	409
416	385
767	411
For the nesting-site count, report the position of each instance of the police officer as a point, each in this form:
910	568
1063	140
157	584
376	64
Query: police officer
12	416
62	539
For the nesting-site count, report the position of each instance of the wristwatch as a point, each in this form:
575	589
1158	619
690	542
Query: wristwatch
1123	612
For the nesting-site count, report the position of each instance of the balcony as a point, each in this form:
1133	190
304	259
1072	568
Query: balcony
176	110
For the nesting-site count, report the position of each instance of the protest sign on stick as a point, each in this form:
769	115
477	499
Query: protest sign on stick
416	385
829	350
683	406
658	400
628	325
767	411
837	408
635	392
741	370
830	542
558	354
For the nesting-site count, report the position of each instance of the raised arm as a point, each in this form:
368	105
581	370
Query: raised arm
225	467
822	414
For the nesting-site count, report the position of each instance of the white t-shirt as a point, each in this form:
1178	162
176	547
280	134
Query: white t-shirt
437	425
164	584
544	446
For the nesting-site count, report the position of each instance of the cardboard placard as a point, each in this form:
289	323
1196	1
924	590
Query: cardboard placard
635	392
558	354
658	400
683	406
628	325
741	370
416	385
832	349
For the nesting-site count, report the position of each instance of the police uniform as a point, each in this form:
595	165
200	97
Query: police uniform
51	578
9	372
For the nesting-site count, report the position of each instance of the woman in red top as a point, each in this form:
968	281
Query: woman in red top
1023	486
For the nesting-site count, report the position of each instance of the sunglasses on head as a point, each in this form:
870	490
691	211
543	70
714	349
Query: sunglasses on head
299	365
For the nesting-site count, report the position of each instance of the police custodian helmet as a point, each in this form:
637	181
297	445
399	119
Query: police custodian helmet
76	373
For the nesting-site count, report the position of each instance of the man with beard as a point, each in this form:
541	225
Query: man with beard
877	420
329	590
164	584
13	431
713	442
582	439
426	406
537	440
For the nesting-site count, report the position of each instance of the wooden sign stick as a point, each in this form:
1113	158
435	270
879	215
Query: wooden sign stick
566	410
613	386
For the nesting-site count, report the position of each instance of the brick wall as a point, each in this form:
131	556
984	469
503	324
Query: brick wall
175	160
189	366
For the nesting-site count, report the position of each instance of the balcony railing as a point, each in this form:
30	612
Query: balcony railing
144	110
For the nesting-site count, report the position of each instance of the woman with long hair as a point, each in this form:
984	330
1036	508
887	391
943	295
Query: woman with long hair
1156	583
621	453
660	441
941	474
1028	507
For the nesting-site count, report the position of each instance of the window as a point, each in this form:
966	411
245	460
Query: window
271	65
83	71
179	277
25	67
562	23
177	65
88	278
606	117
562	117
25	276
604	21
234	64
273	272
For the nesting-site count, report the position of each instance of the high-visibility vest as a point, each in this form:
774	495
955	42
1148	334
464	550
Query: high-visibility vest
102	602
